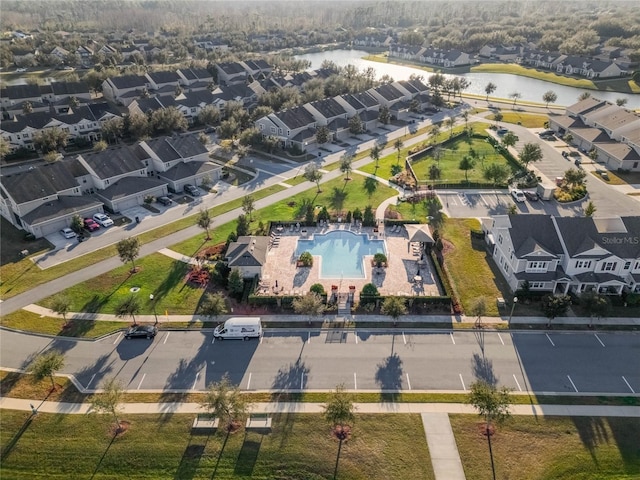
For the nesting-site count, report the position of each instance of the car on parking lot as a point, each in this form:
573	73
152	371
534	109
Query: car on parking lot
192	190
531	196
502	131
165	201
518	195
68	233
21	70
91	225
546	133
103	220
141	331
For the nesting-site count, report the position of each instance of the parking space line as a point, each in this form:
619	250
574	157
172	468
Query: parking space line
249	381
94	376
550	341
452	339
625	381
302	381
462	381
308	338
598	338
572	384
213	340
355	335
408	382
500	337
165	338
117	338
141	380
404	338
261	337
517	383
355	381
195	381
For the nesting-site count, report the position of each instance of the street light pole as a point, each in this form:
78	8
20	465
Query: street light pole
154	307
513	306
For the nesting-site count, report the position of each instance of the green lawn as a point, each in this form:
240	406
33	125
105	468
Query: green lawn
551	448
452	153
32	322
161	446
528	120
466	261
160	275
532	73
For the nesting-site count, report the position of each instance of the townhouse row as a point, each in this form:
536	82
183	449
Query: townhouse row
44	199
563	255
610	131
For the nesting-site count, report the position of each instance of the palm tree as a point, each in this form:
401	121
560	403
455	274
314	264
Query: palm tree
398	146
489	89
515	96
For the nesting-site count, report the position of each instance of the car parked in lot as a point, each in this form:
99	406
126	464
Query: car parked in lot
141	331
103	220
502	131
165	201
21	70
531	196
68	233
91	225
191	190
518	195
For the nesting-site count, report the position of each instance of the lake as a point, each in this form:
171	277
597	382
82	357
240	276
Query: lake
531	89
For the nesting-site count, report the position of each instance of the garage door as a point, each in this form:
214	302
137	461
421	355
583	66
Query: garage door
126	203
53	227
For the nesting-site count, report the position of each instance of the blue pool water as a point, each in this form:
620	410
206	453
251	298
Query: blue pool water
342	253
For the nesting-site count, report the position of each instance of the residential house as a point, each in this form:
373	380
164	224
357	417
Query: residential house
230	73
23	56
211	44
195	78
248	254
160	80
564	255
329	112
120	177
44	199
373	40
60	52
257	67
501	53
294	127
179	160
123	90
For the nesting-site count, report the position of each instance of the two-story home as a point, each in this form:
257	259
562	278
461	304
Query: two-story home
230	73
293	127
120	177
566	254
179	160
163	82
44	199
123	90
195	78
330	113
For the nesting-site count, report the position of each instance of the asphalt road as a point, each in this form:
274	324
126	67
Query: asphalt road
552	362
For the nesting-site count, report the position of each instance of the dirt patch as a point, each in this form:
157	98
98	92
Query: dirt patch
341	432
120	429
447	247
484	431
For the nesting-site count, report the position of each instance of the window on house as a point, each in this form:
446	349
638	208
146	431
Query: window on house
506	267
273	129
500	239
583	263
536	285
636	266
609	266
627	265
537	266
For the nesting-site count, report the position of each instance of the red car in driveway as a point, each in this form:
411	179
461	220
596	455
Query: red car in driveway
91	225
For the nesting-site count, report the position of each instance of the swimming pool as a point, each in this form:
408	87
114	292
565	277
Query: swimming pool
342	252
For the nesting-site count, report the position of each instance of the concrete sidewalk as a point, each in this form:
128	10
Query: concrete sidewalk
445	457
404	321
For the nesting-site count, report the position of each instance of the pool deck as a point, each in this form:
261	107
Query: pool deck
400	277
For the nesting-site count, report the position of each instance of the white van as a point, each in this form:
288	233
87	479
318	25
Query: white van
239	327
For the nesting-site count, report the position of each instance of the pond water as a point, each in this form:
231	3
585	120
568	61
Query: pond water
531	89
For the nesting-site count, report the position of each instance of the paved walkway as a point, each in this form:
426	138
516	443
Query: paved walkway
445	458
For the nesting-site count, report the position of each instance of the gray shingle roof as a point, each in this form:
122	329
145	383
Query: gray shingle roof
534	235
129	81
248	252
296	117
188	169
329	108
164	77
65	205
43	181
113	162
127	186
581	233
173	148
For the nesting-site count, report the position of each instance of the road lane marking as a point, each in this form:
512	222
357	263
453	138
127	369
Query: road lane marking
572	384
404	339
550	341
141	380
625	381
302	381
308	338
452	339
165	338
355	381
195	381
408	381
500	337
249	382
462	381
117	338
598	338
517	383
94	376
